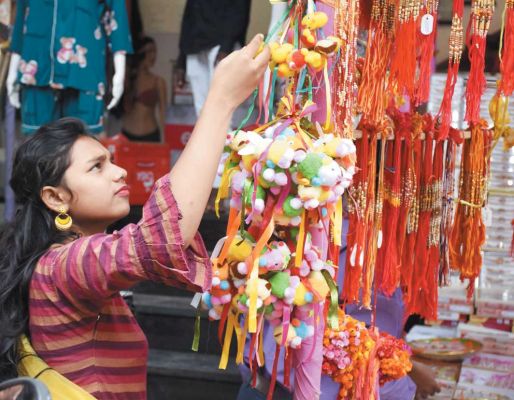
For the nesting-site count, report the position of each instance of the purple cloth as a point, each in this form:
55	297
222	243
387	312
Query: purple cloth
389	317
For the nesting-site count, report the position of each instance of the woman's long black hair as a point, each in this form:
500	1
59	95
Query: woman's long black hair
41	161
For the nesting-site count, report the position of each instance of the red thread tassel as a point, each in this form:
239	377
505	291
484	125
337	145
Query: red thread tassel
389	251
507	62
408	252
419	283
403	64
425	63
476	80
357	226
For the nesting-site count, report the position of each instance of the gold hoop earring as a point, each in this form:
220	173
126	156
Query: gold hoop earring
63	221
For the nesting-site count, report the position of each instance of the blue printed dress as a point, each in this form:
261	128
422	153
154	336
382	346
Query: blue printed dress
62	44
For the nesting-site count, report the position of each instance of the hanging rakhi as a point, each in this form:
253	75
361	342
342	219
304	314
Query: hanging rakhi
357	204
374	211
448	192
481	15
507	55
499	105
426	35
407	181
456	44
388	264
372	96
403	61
344	84
412	197
421	287
434	233
468	232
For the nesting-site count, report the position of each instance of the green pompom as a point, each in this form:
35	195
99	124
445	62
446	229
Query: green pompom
290	211
243	299
268	309
279	283
310	166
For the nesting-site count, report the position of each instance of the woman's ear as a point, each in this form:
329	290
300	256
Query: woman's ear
55	198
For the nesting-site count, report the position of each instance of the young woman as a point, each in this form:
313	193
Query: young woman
60	274
145	94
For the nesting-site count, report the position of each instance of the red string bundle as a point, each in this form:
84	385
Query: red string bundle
455	53
357	225
372	96
476	40
388	260
403	62
426	55
409	245
507	55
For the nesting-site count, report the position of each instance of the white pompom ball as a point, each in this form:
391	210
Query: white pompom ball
296	203
259	205
268	174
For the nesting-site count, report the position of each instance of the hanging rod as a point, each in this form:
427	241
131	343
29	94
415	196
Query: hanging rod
358	135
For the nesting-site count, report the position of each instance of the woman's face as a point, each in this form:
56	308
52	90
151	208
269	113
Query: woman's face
99	194
150	52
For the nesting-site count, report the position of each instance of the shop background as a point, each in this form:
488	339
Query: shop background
162	20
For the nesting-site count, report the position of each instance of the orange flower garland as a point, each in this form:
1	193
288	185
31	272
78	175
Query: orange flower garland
346	352
394	358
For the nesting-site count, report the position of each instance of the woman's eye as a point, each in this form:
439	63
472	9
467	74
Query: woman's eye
97	166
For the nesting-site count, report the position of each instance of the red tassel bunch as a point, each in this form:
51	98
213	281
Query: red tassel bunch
481	15
507	55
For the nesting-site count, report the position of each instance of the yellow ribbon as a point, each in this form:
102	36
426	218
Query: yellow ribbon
231	322
224	186
338	221
241	340
252	283
300	242
328	97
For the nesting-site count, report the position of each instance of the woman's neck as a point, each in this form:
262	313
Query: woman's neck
90	229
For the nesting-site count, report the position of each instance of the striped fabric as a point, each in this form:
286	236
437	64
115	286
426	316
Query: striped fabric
80	325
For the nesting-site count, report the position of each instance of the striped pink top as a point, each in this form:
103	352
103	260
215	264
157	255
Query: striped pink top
79	323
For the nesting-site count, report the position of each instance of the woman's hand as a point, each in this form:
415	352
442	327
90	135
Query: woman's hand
424	378
237	75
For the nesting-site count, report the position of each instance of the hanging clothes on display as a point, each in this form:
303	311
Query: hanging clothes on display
62	70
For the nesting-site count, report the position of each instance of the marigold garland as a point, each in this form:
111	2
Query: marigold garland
346	353
394	358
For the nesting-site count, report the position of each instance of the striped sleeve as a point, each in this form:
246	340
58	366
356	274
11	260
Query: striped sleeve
98	266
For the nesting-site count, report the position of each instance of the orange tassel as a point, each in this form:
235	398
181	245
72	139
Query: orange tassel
468	231
476	80
372	95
